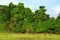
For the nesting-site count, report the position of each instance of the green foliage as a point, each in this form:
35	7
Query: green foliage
17	18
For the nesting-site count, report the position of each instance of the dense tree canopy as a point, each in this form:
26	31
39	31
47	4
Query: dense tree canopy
17	18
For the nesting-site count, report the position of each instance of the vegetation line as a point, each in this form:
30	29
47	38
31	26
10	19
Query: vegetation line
17	18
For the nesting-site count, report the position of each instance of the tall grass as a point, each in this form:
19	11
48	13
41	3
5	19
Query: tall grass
15	36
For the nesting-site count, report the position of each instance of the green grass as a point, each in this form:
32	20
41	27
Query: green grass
15	36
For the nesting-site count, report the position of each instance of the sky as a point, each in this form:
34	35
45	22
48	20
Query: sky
52	6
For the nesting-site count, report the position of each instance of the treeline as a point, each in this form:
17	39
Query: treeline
17	18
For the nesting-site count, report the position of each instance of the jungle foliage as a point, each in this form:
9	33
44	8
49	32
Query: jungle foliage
17	18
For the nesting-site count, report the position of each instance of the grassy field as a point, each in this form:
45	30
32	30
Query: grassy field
15	36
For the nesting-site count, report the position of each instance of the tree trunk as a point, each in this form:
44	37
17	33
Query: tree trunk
27	30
